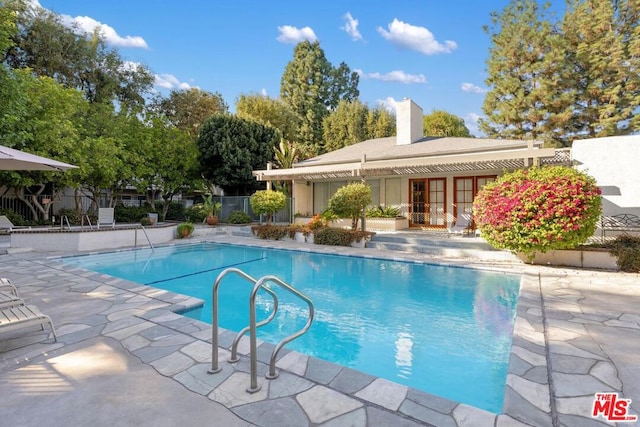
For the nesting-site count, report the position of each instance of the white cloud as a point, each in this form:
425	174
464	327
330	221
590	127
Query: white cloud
263	92
471	88
293	35
351	27
169	81
87	25
415	38
471	122
394	76
388	103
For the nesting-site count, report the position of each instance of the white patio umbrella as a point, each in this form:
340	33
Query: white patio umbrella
11	160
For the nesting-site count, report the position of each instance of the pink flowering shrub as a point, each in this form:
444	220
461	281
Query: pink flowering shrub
538	209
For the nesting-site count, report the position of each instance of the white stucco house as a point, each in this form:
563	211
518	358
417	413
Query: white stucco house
430	179
615	164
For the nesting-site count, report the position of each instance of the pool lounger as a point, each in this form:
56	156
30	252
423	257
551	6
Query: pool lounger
8	300
19	317
7	286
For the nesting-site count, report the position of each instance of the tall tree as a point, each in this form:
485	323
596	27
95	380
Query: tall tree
49	48
602	68
354	122
519	66
312	87
188	109
380	123
443	123
230	148
268	111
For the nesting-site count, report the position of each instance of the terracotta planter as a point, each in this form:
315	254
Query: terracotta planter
212	220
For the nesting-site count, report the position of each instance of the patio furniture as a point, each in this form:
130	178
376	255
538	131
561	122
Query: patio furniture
462	224
25	316
9	300
623	223
7	287
6	224
106	217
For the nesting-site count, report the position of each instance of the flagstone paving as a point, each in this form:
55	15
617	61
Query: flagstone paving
124	356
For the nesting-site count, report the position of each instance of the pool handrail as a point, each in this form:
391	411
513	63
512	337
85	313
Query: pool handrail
215	366
234	347
252	323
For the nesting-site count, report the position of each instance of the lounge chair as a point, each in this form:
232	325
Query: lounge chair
8	300
6	224
7	287
25	316
106	217
462	224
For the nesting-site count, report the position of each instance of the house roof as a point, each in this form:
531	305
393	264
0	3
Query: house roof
381	156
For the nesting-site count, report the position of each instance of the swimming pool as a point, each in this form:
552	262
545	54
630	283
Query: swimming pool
443	330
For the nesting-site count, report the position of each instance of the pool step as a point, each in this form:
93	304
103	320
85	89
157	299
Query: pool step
457	247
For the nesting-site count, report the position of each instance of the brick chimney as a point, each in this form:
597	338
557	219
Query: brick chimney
409	128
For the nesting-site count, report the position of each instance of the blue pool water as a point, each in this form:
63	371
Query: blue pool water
443	330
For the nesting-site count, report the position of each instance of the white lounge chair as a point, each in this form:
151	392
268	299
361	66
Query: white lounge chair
8	300
25	316
6	224
106	217
462	225
7	287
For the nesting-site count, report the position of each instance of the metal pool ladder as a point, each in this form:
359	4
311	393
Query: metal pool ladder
261	283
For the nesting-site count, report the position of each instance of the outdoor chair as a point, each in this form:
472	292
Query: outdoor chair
8	300
6	224
20	317
7	287
462	224
106	217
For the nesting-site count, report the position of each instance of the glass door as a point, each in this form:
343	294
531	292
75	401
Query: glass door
437	202
427	205
418	198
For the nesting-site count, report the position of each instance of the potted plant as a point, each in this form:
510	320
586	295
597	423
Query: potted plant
211	210
184	229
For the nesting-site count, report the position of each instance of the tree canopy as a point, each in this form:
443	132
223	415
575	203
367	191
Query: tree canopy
270	112
442	123
312	88
47	47
231	148
560	80
188	109
353	122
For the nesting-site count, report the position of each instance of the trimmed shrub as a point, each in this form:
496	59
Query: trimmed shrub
267	202
349	202
130	214
627	249
538	210
195	213
270	232
332	236
14	217
238	217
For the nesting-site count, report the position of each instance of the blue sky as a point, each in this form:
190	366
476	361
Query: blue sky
433	52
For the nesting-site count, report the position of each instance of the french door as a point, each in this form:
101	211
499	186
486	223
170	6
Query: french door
427	202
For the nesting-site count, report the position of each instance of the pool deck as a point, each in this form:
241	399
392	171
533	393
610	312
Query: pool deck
124	357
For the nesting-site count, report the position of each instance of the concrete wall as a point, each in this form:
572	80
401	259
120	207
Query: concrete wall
71	241
615	164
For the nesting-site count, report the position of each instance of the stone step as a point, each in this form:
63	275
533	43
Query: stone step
445	251
443	241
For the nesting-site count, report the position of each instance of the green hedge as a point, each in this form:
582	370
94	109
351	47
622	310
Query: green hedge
627	249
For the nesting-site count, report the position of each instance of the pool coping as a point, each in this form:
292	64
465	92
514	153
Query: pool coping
529	397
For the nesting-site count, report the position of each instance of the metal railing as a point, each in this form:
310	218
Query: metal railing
144	230
261	283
